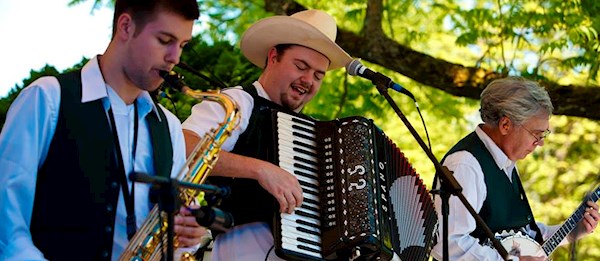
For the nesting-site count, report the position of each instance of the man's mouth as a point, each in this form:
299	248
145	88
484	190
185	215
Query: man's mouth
165	68
300	89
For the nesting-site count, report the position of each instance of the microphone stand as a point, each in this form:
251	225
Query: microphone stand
169	203
168	200
448	185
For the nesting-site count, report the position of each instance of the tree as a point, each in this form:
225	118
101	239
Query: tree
12	94
445	51
505	31
494	29
443	47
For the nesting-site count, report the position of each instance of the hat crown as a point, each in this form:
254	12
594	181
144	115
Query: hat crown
320	20
313	29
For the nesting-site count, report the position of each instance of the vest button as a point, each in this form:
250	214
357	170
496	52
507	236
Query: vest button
109	208
105	254
108	229
114	184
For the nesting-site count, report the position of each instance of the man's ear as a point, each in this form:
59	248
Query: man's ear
125	26
505	125
272	55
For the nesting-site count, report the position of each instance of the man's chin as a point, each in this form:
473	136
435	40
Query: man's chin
294	107
152	86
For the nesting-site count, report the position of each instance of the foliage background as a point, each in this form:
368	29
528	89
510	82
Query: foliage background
550	40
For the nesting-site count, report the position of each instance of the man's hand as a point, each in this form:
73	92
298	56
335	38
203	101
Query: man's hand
188	232
282	185
587	224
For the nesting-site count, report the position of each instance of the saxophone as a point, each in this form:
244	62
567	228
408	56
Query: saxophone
150	240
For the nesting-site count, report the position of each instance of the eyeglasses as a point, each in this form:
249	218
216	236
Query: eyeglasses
538	138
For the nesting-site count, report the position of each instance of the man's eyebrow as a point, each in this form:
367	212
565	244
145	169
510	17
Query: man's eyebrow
168	34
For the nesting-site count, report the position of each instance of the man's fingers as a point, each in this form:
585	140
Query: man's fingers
282	203
184	241
189	221
189	231
299	198
291	202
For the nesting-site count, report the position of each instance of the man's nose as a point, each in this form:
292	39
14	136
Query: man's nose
173	55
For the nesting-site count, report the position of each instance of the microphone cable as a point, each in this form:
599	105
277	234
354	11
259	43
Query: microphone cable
269	252
213	82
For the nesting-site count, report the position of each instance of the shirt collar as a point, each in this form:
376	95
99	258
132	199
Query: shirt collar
261	90
262	93
94	88
502	161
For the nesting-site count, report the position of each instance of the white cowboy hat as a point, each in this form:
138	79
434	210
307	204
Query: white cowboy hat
314	29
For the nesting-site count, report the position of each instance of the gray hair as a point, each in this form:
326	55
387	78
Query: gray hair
514	97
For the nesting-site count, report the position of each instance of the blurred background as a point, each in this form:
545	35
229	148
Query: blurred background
443	51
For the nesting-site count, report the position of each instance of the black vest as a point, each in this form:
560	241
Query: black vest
78	184
248	201
506	206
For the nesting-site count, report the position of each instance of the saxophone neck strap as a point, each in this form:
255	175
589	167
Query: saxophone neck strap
128	197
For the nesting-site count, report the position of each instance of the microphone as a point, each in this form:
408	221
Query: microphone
175	80
158	181
213	218
355	67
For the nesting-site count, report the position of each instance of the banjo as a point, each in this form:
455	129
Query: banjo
519	244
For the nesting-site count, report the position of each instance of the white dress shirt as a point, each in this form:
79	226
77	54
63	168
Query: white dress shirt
252	241
25	140
468	172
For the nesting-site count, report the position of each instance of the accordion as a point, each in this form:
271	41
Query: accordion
362	198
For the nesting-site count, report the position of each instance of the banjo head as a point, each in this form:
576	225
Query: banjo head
520	245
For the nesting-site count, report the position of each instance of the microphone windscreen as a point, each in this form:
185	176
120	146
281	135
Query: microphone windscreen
353	66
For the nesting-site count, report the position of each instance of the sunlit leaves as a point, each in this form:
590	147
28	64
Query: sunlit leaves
554	29
554	40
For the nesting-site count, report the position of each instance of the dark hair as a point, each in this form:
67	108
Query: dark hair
280	48
143	11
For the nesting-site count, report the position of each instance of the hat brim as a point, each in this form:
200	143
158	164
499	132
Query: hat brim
268	32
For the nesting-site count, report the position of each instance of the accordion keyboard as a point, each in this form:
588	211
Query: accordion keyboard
300	230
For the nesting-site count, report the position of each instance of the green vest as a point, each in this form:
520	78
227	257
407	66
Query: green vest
505	206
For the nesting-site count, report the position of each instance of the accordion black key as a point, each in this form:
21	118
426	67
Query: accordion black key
362	198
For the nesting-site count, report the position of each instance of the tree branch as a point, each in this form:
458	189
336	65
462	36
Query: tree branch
373	19
455	79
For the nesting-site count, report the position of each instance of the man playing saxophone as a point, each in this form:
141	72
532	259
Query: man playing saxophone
70	142
296	52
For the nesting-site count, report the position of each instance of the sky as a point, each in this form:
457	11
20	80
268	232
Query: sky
39	32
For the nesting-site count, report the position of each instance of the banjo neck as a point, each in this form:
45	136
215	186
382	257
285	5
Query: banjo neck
550	245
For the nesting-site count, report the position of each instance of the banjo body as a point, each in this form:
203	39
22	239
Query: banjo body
521	245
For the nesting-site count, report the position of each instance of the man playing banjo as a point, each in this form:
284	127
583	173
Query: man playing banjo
516	116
